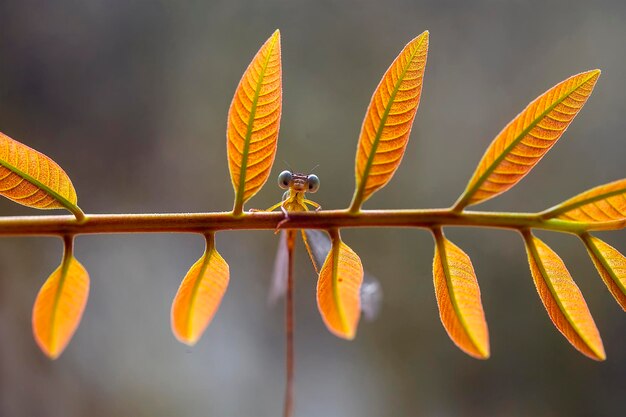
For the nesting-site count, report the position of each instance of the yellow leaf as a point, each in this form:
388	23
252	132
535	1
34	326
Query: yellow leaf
527	138
338	289
388	121
30	178
604	203
562	299
60	304
458	298
253	122
199	295
610	264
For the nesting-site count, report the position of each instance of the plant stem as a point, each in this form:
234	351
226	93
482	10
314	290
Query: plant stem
289	326
203	222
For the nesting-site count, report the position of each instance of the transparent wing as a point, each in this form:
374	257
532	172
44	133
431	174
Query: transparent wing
318	245
371	297
278	286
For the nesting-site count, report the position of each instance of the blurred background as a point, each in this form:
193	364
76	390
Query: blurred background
131	97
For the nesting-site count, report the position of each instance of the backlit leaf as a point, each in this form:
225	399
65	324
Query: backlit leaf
527	138
610	264
253	122
318	245
458	297
30	178
338	289
388	121
562	299
604	203
60	304
199	295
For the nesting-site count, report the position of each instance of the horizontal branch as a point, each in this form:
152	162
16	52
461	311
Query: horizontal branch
203	222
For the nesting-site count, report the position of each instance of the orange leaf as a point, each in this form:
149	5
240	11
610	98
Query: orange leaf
199	295
388	121
60	304
524	141
610	264
253	122
458	297
604	203
562	299
32	179
338	289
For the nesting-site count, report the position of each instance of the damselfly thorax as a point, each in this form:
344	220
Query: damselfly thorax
297	185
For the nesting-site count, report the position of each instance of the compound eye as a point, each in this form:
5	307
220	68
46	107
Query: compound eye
313	183
284	179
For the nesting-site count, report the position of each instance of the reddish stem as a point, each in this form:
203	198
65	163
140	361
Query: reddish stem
289	325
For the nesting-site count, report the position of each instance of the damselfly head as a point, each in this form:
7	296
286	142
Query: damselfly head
298	182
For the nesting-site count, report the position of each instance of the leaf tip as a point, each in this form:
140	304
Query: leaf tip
481	349
593	75
601	355
51	351
189	340
338	328
421	39
348	333
596	350
178	329
275	38
345	334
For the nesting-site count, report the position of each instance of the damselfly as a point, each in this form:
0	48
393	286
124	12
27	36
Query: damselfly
318	245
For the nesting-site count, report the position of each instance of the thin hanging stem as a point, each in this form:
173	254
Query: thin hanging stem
289	325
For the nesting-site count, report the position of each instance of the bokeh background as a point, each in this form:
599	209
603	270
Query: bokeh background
131	97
